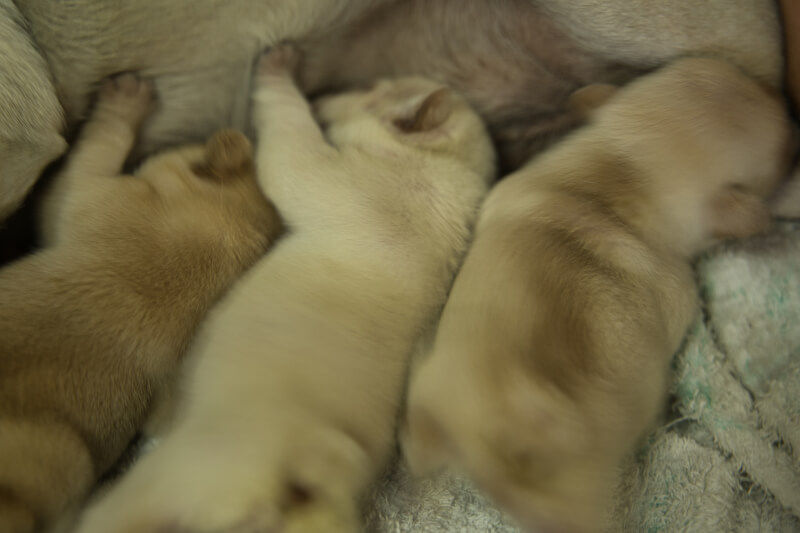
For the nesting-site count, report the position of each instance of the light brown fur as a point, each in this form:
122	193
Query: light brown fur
92	326
551	357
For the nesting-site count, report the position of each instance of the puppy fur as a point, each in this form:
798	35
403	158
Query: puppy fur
93	326
551	357
517	61
290	409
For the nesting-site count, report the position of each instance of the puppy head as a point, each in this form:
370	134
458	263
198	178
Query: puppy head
212	190
526	446
414	112
712	142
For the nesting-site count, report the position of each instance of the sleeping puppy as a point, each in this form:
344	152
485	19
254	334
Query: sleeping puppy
290	409
551	357
93	326
516	61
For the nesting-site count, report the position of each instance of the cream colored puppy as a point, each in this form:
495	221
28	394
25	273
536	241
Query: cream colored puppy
290	409
94	325
551	357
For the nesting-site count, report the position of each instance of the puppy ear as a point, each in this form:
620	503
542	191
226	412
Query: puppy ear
737	213
432	112
228	154
586	100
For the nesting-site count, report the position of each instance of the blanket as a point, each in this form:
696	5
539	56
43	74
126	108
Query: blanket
727	457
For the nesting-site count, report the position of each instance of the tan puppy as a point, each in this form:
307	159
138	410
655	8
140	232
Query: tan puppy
93	326
290	411
551	357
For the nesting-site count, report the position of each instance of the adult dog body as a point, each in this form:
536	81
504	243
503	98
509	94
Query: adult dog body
516	60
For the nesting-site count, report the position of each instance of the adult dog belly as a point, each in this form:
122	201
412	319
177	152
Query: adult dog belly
199	53
519	60
508	58
516	60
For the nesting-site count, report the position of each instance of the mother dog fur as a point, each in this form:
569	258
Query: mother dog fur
552	355
199	54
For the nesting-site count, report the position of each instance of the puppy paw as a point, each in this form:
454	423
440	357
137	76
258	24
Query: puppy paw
126	97
283	59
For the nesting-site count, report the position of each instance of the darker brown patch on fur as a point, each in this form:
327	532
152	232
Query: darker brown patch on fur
569	266
557	345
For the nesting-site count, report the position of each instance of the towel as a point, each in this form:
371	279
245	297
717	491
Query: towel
729	459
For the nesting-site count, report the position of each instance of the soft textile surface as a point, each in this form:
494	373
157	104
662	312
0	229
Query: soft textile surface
728	456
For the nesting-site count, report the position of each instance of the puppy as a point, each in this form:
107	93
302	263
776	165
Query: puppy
290	409
551	357
517	61
93	325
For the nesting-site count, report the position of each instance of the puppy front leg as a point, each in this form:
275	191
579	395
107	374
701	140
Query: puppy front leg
100	151
288	135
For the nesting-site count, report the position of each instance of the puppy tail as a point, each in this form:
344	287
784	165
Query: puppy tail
44	468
